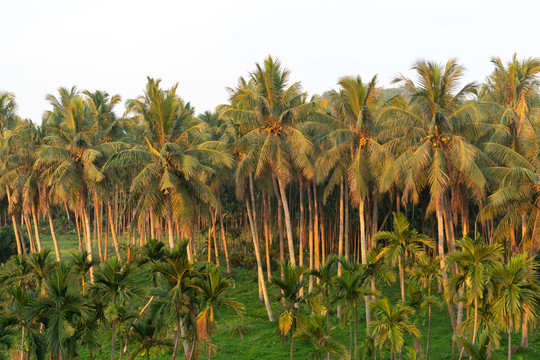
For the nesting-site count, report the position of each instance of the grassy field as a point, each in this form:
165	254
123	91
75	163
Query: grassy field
262	342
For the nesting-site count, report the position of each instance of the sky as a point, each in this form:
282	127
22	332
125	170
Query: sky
204	46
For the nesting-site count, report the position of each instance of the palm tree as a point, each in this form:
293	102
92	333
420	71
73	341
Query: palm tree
517	288
80	266
292	319
392	325
351	286
147	335
402	242
169	167
213	291
177	293
477	261
59	309
115	285
270	112
317	335
432	138
426	270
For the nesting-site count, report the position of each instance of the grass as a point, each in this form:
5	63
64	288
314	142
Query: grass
261	340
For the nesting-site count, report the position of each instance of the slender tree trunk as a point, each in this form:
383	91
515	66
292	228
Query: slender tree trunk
113	233
475	319
363	249
316	240
288	225
510	340
267	239
18	239
341	228
78	226
291	350
301	235
440	228
169	221
29	231
525	330
346	238
216	249
224	240
310	236
113	336
88	241
36	227
209	344
401	278
259	264
53	235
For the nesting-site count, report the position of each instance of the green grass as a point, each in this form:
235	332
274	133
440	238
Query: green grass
262	342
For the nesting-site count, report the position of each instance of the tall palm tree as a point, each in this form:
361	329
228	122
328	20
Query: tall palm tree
432	138
213	291
317	335
171	164
270	114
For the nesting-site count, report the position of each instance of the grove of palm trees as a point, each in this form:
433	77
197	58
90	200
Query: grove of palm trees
361	223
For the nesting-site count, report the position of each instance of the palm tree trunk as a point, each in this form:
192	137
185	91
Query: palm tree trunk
17	238
169	221
341	228
53	235
259	264
292	348
440	231
288	225
88	240
475	329
429	331
316	240
216	250
209	344
310	236
401	278
36	227
113	333
363	249
224	240
267	239
525	331
78	226
29	231
113	232
510	340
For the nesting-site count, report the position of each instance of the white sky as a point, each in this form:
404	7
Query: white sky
206	45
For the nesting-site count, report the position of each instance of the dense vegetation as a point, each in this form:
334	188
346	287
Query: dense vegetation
319	196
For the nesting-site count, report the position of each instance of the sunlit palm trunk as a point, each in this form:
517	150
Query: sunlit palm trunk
88	240
310	236
216	250
288	225
510	327
112	226
363	250
259	264
53	235
15	227
169	221
113	333
440	231
224	240
525	330
401	278
340	237
267	238
36	227
429	321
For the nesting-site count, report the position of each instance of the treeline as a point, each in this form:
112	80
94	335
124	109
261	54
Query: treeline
316	175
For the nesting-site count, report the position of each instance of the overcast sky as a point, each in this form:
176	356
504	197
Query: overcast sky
206	45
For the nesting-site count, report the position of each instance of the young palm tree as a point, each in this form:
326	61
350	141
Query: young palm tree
292	319
316	334
115	285
213	290
392	325
59	309
148	334
402	242
477	261
517	288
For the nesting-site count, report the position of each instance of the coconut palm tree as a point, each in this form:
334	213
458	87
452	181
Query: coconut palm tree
392	325
148	334
402	242
432	138
270	112
171	164
213	291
